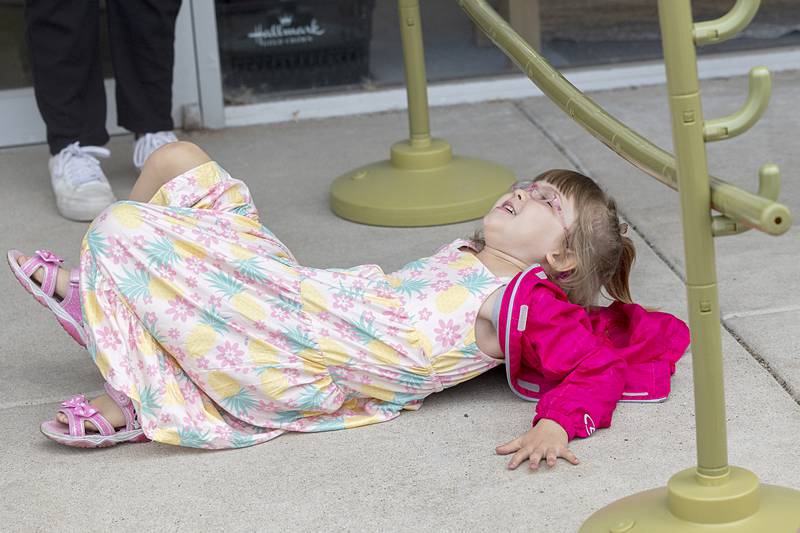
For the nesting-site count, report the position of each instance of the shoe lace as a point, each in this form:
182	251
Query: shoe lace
80	162
148	143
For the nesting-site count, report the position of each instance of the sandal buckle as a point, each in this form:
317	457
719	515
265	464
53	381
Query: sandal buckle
80	406
49	257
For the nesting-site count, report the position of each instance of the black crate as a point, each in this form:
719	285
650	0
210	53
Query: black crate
278	45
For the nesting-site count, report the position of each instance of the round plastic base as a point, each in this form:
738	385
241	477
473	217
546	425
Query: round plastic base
430	189
739	505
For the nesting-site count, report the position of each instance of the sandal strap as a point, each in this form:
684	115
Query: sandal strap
78	410
48	261
126	406
72	301
102	424
75	429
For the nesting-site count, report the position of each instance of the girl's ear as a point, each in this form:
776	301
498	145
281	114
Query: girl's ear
562	261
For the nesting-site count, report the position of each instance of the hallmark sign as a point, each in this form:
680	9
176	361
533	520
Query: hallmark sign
285	32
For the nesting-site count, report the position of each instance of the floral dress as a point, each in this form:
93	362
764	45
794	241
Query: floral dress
205	319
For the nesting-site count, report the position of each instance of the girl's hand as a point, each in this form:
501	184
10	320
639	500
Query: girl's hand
546	440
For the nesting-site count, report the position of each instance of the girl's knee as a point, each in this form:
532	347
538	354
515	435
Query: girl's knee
175	158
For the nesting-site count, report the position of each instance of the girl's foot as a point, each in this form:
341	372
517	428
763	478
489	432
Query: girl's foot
62	280
112	424
53	287
107	407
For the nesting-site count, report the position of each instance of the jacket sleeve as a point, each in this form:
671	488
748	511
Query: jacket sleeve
590	371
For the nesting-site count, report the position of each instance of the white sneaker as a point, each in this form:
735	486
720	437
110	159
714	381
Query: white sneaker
149	143
82	190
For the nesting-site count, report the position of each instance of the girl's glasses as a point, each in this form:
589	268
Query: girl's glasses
549	196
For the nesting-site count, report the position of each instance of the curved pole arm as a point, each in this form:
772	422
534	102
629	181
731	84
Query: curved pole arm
739	205
769	186
760	88
728	25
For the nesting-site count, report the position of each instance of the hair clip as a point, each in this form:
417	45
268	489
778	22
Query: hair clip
623	228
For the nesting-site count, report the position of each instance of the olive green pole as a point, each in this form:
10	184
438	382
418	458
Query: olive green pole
416	81
713	496
698	242
422	184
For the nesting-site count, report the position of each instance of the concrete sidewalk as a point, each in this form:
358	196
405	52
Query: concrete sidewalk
434	469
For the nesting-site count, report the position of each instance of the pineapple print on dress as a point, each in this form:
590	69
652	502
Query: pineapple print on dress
127	214
234	291
473	284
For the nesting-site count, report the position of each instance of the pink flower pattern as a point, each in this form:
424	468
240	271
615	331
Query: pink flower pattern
167	272
180	308
441	285
195	265
117	251
446	332
204	237
229	354
108	338
343	302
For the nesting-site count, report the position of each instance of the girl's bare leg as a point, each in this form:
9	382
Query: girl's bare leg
170	160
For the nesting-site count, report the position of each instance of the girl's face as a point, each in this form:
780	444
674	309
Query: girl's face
536	227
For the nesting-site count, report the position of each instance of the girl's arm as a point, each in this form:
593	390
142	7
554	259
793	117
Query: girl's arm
487	310
590	371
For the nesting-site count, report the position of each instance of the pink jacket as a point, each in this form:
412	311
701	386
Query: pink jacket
578	364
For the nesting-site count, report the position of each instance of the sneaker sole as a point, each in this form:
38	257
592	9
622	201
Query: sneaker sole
81	210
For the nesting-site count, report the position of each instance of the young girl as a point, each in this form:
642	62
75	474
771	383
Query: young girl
209	333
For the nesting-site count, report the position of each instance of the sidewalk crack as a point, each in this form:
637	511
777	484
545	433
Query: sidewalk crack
44	401
793	394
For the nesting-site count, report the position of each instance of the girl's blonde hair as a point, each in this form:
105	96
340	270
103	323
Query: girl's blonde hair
603	253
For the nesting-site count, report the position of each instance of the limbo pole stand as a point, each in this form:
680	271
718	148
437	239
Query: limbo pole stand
422	184
713	496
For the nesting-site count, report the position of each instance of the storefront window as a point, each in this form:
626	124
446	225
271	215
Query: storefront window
14	55
269	48
587	32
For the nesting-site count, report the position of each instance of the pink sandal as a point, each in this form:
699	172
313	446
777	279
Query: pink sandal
68	310
78	410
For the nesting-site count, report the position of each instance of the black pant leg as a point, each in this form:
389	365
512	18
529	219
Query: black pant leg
63	37
142	37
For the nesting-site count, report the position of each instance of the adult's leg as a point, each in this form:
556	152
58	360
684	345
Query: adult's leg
141	34
63	38
170	160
